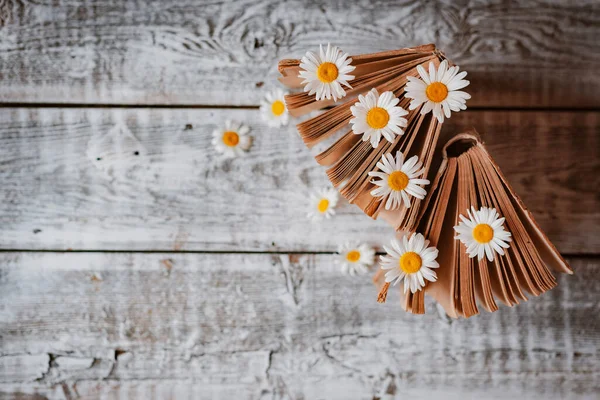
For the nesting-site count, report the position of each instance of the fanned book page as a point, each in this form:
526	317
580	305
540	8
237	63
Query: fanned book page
490	247
388	133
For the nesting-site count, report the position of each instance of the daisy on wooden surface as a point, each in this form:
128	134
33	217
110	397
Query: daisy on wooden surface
232	140
398	180
410	259
322	204
354	258
438	89
483	232
273	110
326	72
376	115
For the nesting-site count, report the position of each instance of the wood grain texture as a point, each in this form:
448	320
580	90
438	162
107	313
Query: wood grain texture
540	53
130	325
282	326
176	194
479	386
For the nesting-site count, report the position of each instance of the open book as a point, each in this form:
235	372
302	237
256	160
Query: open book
467	180
350	159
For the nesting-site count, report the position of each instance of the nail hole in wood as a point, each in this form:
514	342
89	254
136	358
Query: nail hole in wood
119	352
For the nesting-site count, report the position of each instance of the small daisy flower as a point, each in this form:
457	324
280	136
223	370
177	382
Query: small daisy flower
273	109
410	259
355	258
322	204
438	90
325	73
232	140
398	180
483	232
376	115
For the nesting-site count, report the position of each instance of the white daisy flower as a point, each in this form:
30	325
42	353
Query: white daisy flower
483	232
398	180
273	109
232	140
410	259
322	204
438	90
355	258
325	73
376	115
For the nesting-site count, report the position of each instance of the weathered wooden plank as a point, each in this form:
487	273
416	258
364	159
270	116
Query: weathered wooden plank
278	326
456	387
176	194
523	53
23	367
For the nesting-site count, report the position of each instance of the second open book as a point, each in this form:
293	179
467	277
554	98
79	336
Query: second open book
469	179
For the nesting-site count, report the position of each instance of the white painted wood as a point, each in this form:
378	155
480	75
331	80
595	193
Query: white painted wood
269	326
451	387
208	326
23	367
539	53
178	195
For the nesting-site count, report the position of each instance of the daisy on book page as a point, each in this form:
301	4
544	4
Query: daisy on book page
483	232
387	105
398	180
376	116
490	247
326	72
409	259
438	90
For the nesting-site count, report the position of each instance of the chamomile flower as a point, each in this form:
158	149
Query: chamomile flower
273	109
410	259
322	204
398	180
483	232
439	90
232	140
376	115
326	72
355	259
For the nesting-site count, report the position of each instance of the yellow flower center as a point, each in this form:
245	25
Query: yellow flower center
377	117
398	180
327	72
483	233
353	256
410	262
436	92
323	205
231	139
277	108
